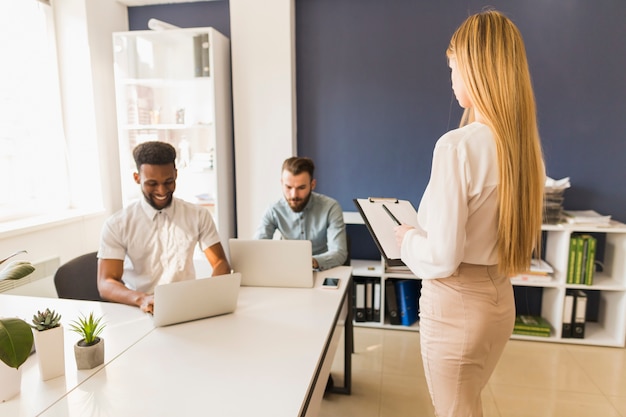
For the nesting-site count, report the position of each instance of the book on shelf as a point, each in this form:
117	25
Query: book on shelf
359	301
366	300
571	260
580	242
369	300
376	302
586	217
530	277
580	313
523	332
540	267
582	257
391	302
568	314
531	326
407	292
539	271
590	266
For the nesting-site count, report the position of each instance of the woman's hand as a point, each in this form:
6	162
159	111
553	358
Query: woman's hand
400	231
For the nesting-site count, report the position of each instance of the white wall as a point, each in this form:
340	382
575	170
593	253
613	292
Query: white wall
264	102
86	25
263	62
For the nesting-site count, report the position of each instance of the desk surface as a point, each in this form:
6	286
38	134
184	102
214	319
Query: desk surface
261	360
125	325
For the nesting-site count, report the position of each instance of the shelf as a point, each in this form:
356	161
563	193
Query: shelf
365	268
521	283
610	285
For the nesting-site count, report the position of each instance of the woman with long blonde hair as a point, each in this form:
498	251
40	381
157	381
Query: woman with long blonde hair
480	216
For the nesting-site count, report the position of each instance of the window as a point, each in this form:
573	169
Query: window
33	154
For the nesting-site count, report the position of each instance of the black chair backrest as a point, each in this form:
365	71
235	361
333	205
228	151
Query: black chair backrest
77	279
348	243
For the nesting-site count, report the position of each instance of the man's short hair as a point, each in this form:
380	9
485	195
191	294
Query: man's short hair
154	153
296	165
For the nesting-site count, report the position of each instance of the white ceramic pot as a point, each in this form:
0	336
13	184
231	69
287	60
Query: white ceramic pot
88	357
10	382
49	345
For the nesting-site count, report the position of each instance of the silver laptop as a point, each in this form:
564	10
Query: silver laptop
195	299
272	263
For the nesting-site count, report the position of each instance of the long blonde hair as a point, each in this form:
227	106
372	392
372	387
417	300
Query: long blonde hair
491	56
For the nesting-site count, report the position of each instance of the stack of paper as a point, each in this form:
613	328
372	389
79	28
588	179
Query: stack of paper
539	271
586	217
553	199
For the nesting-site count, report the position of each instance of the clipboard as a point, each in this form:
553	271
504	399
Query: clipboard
381	216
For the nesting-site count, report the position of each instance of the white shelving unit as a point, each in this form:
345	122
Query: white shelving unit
175	86
609	330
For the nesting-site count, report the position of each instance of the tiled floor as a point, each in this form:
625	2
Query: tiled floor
532	379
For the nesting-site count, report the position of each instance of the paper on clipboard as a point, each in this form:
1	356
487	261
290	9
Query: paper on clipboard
378	214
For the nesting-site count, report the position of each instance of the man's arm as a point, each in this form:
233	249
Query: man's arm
112	288
336	241
217	258
267	227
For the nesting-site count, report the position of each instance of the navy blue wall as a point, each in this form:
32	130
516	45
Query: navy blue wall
374	92
373	89
215	14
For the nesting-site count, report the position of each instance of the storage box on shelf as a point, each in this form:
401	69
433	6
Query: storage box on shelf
608	324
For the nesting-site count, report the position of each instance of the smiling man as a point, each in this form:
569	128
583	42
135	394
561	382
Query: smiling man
306	215
152	240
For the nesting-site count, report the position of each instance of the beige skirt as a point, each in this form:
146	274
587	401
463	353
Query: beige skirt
465	322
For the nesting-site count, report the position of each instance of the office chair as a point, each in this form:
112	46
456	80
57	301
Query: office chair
77	279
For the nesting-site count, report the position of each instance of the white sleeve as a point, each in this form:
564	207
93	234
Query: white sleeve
437	251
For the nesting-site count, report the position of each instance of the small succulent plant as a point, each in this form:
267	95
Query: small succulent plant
46	320
89	328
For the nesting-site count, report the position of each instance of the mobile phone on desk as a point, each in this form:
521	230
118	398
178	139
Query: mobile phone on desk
331	283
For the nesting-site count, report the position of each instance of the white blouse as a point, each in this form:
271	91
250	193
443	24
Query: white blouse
458	214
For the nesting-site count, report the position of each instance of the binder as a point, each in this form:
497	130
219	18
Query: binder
580	312
407	293
376	317
359	301
369	300
584	253
391	302
571	262
579	260
591	261
381	216
568	313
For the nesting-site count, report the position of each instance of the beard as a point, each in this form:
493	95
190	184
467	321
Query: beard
158	204
298	204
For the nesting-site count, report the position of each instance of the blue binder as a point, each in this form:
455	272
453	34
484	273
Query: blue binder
407	291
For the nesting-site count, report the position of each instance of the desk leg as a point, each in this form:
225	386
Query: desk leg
348	346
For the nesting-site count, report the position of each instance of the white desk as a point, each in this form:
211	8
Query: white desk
271	357
125	326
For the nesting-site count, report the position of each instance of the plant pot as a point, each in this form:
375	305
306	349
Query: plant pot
88	357
49	345
10	382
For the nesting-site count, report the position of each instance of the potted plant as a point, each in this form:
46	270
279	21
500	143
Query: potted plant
16	269
89	350
16	337
49	344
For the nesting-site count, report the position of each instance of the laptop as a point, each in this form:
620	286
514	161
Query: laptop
195	299
272	263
